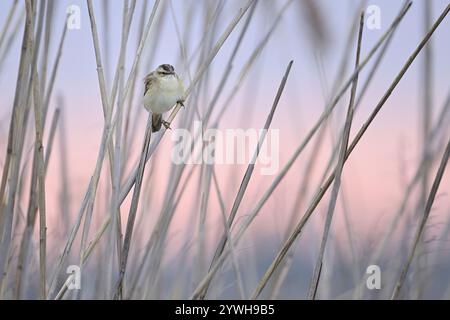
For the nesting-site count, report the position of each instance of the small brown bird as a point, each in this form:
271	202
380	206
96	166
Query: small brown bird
163	89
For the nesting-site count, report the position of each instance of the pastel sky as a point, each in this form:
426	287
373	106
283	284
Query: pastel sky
377	172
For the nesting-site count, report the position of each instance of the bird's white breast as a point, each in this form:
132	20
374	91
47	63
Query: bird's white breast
163	94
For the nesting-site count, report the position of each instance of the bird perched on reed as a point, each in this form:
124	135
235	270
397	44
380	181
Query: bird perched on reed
163	89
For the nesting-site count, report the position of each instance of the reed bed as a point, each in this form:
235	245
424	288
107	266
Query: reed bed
141	226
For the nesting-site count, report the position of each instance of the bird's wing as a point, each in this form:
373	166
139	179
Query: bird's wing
181	85
149	80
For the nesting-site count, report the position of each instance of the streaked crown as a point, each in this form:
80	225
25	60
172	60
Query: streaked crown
165	69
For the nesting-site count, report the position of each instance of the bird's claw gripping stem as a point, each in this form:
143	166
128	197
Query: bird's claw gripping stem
166	124
181	102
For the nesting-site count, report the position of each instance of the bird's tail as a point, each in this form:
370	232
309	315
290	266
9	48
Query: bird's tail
156	122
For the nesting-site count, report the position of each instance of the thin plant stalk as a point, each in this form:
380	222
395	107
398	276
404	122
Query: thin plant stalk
39	149
133	209
328	109
309	136
32	208
339	169
14	148
282	252
89	195
8	21
248	173
423	221
131	179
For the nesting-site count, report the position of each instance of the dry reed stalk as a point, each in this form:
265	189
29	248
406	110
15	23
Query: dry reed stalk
54	71
204	183
124	129
130	180
339	169
117	160
126	143
247	67
328	109
210	106
282	252
8	21
47	40
133	209
427	96
23	251
32	207
14	149
426	117
200	294
64	197
443	115
423	221
106	136
41	187
279	277
15	30
218	45
96	238
183	52
229	65
87	202
211	15
287	167
51	137
39	149
242	75
381	248
107	111
247	175
108	105
106	28
231	246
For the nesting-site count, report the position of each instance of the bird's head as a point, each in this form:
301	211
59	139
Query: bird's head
165	69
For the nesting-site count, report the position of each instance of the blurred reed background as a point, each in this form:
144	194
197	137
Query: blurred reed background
80	185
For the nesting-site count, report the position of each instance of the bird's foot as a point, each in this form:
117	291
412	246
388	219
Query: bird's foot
166	124
181	102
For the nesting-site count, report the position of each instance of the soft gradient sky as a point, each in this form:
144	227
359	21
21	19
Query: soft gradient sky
374	176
